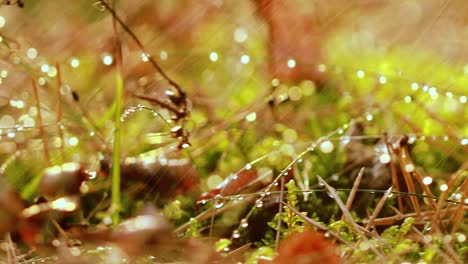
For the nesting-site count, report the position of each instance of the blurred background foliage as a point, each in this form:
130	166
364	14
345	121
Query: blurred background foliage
265	79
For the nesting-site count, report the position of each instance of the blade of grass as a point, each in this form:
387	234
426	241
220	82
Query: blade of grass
115	192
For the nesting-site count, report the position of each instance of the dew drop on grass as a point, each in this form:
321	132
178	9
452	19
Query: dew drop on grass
244	223
236	234
259	203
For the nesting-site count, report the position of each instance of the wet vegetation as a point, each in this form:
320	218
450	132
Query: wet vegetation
214	131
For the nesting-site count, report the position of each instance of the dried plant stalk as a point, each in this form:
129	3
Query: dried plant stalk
280	210
378	208
418	176
444	194
393	172
41	124
59	110
409	181
392	220
354	190
347	214
458	217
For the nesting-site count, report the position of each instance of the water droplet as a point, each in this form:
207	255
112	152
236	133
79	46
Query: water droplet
345	140
326	146
219	205
65	89
443	187
409	167
259	203
244	223
248	166
99	6
236	234
385	158
427	180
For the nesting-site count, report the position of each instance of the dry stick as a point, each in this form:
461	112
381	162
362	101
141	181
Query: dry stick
393	172
142	48
280	210
41	125
317	225
457	219
417	175
391	220
354	190
157	101
444	194
409	181
347	214
352	194
59	109
378	208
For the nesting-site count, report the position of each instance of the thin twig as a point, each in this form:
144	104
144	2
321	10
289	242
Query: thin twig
280	210
39	120
354	190
402	156
393	171
417	175
59	109
347	214
457	218
378	208
444	194
391	220
142	48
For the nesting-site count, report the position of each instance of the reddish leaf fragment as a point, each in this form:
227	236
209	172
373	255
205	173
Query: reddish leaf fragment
304	248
